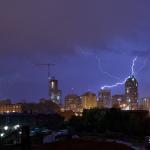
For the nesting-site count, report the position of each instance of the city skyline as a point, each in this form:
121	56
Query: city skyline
84	45
75	75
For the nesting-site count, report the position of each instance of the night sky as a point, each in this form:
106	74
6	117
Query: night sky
82	37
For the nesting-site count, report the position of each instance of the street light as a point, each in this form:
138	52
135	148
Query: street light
20	132
6	128
2	135
16	126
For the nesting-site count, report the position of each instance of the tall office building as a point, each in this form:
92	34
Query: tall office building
104	97
54	92
131	92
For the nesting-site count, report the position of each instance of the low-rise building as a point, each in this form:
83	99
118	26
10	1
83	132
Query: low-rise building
89	100
73	102
43	107
144	103
10	108
118	101
104	98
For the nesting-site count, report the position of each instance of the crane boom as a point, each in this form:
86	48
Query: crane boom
48	68
48	71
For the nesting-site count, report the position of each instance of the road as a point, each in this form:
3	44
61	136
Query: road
136	147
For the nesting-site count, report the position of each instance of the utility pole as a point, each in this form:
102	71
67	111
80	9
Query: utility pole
48	65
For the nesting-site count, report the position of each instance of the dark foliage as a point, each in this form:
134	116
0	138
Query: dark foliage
133	123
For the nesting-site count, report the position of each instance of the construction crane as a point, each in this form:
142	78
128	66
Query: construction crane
48	68
48	71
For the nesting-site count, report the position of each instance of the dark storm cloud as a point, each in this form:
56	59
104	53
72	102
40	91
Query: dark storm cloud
34	31
143	53
57	26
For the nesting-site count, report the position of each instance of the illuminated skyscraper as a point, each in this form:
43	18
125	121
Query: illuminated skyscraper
131	92
104	97
54	92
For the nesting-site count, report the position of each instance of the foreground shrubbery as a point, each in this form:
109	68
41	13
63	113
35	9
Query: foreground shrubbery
100	121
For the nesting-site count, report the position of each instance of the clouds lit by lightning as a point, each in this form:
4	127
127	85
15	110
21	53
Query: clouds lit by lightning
104	72
122	82
144	63
87	52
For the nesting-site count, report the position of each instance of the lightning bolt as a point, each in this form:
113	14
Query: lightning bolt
104	72
116	84
122	82
133	65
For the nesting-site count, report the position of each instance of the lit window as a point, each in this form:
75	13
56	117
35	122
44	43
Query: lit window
58	97
127	90
52	84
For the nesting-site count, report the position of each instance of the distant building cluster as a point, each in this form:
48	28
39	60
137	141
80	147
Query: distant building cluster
127	101
7	107
43	107
77	103
10	108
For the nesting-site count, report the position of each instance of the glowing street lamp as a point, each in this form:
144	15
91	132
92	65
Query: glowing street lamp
16	126
2	135
6	128
20	132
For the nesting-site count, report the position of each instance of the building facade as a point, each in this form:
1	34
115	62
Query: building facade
144	103
89	100
104	98
43	107
54	93
119	101
73	102
131	92
10	108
